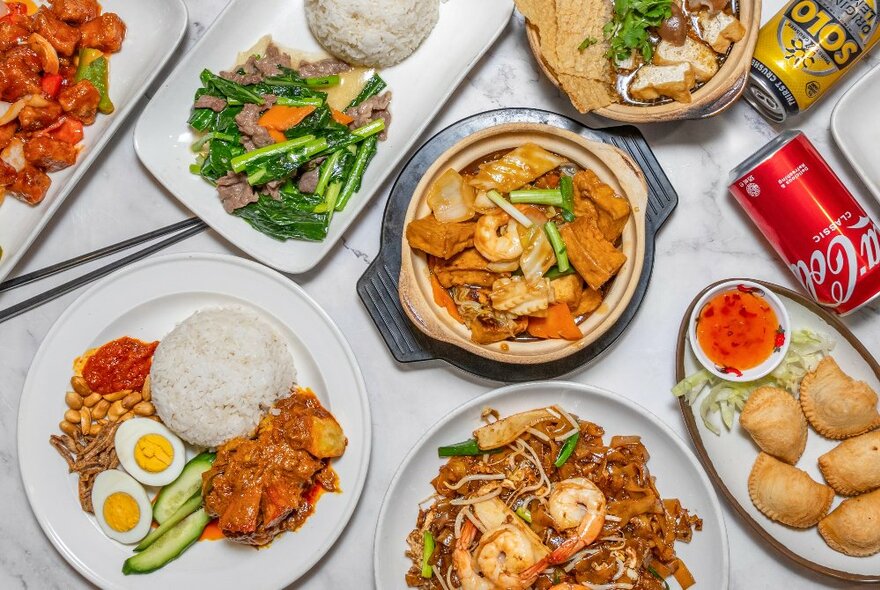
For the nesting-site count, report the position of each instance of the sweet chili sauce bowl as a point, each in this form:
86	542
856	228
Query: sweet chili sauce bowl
781	339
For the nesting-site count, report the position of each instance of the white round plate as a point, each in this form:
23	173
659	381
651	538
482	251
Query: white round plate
146	301
677	471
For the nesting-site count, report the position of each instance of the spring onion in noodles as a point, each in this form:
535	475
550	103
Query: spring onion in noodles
467	448
427	552
505	205
567	449
524	513
657	575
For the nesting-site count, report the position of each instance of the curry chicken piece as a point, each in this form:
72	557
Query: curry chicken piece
75	12
443	240
260	487
105	33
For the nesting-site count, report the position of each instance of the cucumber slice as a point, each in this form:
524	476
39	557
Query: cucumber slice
188	508
169	546
176	494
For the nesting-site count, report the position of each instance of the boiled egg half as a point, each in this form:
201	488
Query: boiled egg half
122	507
149	452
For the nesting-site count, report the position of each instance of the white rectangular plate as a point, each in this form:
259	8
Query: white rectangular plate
855	127
420	85
154	29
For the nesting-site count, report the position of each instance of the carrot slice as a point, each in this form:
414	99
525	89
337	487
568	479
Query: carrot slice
276	135
282	117
442	298
559	323
341	117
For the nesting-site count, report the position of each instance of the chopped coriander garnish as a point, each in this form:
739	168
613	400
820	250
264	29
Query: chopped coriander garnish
627	31
587	42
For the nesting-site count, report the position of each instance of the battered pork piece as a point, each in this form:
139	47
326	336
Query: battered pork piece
260	487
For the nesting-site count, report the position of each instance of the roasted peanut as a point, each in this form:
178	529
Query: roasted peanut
72	416
100	409
144	409
85	420
112	397
73	400
80	386
126	416
68	428
116	410
131	400
146	391
95	429
91	400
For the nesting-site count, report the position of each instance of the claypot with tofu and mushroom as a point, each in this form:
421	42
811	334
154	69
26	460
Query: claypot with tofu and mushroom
517	248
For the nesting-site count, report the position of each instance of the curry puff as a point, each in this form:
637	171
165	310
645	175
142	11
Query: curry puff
774	420
837	405
787	494
854	526
853	466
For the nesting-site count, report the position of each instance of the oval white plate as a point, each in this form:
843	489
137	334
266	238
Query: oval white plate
677	470
146	300
729	457
420	85
855	127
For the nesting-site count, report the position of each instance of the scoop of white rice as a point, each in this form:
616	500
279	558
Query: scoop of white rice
374	33
214	376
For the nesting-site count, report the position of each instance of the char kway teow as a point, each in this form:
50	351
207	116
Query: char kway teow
54	80
538	500
522	244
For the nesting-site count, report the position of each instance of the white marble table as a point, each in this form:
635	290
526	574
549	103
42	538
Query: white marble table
707	238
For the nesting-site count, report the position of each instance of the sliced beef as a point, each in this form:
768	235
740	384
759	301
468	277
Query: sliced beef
253	134
206	101
75	12
60	35
325	67
270	64
30	185
273	189
105	33
235	192
49	154
36	118
308	180
81	100
371	109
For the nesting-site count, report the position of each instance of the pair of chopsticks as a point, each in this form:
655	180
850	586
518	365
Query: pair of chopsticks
180	231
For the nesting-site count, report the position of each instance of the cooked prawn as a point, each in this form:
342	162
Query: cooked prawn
501	560
496	237
575	503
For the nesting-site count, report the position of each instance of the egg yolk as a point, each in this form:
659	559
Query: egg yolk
121	512
153	453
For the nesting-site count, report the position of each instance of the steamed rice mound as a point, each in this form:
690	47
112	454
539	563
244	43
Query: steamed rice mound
216	374
373	33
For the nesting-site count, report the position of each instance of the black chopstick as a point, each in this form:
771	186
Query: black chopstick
48	271
55	293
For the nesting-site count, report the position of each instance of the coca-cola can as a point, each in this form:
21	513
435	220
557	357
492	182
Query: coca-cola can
812	221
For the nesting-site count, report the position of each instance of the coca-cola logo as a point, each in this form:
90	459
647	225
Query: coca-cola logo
837	268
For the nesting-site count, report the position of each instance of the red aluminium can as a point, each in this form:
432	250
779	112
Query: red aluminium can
812	221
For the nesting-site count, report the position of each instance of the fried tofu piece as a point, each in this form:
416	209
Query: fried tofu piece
443	240
594	257
700	56
719	30
568	290
612	210
487	331
467	268
590	301
652	82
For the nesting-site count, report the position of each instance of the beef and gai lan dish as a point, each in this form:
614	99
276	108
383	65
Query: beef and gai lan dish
522	244
638	52
286	144
538	500
54	80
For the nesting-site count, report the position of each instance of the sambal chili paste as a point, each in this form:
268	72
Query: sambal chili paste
121	364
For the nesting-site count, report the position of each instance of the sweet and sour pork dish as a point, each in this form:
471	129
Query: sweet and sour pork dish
539	500
54	68
522	244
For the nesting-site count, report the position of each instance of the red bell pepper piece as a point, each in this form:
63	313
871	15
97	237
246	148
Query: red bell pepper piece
14	9
51	84
70	131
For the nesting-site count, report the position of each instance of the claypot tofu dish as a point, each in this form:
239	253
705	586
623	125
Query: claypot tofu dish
539	500
636	52
54	68
521	244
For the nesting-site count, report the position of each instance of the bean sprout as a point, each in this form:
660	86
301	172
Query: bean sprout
476	500
480	477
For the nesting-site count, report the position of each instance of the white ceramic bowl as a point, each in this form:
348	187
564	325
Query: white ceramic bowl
775	357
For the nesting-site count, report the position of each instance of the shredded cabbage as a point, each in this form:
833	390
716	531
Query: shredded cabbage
805	351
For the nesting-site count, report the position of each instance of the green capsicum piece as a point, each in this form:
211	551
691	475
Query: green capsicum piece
94	67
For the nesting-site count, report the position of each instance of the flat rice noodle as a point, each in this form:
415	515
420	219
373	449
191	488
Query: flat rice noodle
683	575
515	169
507	430
628	509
